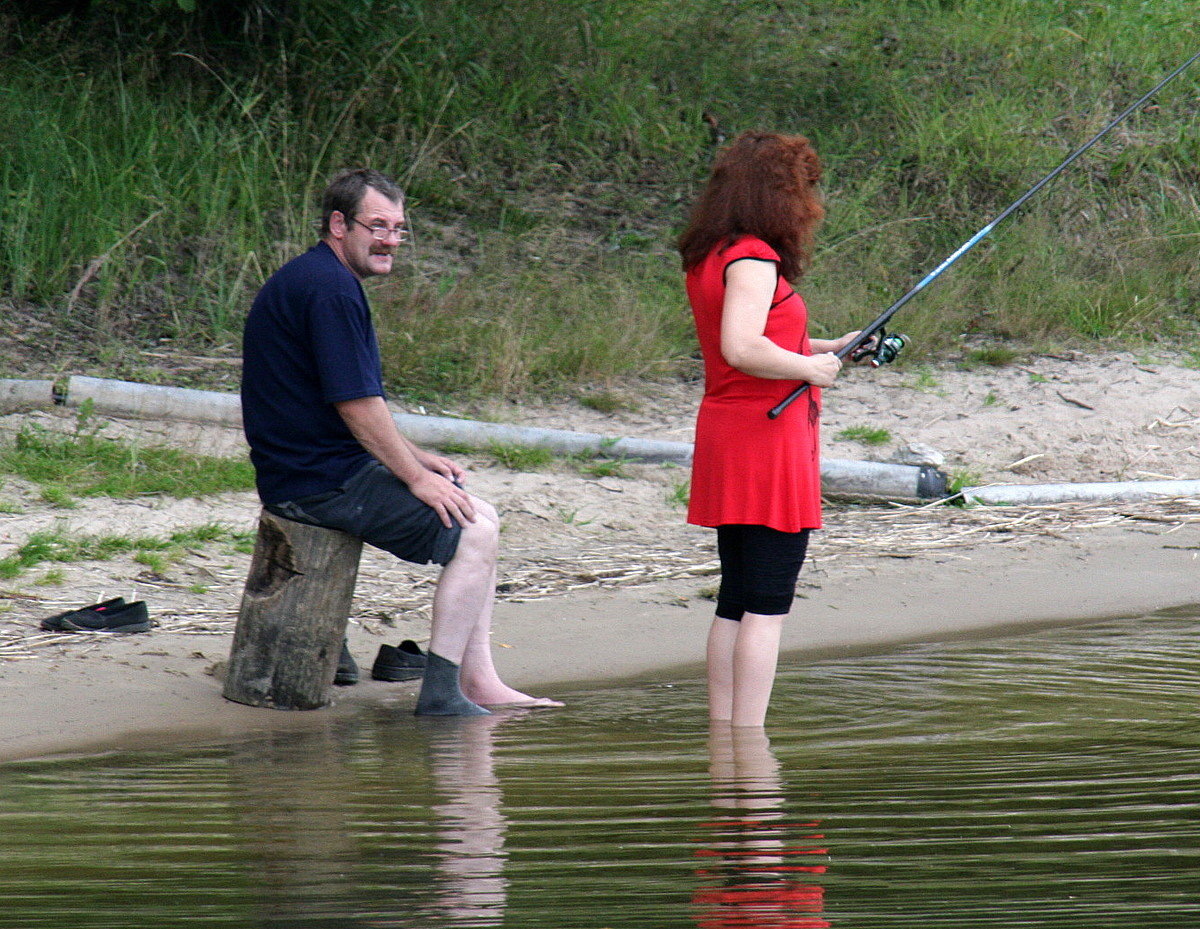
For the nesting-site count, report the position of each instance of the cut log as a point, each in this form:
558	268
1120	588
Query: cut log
293	615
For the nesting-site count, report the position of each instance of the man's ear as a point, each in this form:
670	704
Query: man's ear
338	225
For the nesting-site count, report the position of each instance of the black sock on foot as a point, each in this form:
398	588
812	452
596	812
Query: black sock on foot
441	694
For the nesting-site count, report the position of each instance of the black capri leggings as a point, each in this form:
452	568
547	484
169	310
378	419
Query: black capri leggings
759	567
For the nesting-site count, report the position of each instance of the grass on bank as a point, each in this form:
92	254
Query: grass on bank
83	464
551	149
58	547
87	465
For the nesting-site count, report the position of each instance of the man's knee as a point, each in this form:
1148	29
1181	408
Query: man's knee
480	539
487	512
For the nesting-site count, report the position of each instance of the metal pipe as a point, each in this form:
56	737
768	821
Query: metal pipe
1109	492
860	479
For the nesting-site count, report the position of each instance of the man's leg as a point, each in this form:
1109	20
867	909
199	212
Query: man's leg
481	681
462	613
462	595
467	586
375	506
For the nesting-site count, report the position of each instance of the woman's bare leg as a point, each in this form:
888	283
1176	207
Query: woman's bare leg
722	639
754	661
742	658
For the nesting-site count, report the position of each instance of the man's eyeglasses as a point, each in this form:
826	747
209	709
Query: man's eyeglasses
381	232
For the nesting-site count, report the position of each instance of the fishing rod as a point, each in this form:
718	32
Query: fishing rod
889	348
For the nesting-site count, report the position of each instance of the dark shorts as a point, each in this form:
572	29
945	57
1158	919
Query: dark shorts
759	568
377	507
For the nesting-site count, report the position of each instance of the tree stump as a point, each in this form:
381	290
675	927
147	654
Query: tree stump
293	615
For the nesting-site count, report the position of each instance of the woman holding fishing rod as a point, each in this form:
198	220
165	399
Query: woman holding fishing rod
756	480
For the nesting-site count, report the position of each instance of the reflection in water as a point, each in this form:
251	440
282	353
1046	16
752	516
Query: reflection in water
309	835
299	837
470	825
1050	781
755	860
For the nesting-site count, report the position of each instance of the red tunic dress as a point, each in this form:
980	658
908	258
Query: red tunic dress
746	468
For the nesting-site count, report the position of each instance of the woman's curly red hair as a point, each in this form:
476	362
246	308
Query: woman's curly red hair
765	185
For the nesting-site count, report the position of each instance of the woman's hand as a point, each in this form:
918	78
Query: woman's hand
836	345
822	369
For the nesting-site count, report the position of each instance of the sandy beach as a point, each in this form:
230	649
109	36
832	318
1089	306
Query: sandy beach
601	580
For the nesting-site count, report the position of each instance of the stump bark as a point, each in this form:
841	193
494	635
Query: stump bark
292	619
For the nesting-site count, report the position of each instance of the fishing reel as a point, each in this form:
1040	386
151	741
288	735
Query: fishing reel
883	349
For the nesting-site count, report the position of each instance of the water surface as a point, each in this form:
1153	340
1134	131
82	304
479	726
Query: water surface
1045	780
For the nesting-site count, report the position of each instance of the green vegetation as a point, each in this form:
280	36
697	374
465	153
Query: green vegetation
86	465
55	577
55	546
160	161
960	478
679	495
602	467
867	435
520	457
995	356
606	401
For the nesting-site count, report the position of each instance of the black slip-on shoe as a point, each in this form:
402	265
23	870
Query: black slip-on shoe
403	662
347	669
128	617
55	623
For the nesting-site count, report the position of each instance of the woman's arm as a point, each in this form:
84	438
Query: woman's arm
836	345
749	289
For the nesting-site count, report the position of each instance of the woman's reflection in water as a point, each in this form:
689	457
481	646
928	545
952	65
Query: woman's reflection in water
756	865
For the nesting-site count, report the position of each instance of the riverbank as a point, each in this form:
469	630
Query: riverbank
601	579
99	693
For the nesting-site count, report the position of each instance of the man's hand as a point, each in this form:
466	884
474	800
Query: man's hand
451	502
440	465
432	479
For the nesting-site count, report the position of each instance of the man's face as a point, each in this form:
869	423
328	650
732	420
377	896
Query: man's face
353	242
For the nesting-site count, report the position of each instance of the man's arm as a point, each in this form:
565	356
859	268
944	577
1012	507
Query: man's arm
369	419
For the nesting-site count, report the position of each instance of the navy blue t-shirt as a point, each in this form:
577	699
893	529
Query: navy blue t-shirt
308	343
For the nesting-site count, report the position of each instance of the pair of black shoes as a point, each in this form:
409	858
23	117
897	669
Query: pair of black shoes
403	662
113	615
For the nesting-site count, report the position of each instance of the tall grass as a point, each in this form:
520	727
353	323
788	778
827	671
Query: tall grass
550	150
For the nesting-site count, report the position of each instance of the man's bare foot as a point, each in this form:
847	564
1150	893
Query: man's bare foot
526	703
501	695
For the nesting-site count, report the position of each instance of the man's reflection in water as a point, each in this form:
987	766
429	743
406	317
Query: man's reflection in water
756	866
314	814
469	825
290	806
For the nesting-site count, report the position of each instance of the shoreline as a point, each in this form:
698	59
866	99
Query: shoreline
578	542
109	693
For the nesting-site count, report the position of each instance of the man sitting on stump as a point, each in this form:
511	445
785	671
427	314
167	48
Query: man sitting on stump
327	452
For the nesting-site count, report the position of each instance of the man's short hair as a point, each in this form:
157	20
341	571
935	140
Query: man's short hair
346	191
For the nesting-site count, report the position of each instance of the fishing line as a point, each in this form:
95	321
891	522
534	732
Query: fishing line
880	321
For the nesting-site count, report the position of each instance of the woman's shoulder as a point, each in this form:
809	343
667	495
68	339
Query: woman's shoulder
712	268
748	246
